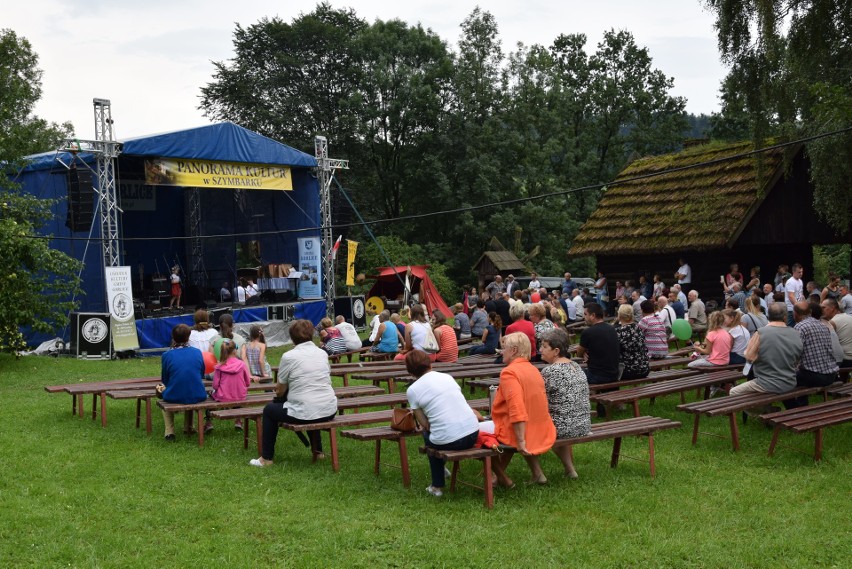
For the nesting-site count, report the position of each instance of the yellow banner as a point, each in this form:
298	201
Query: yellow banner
350	265
207	174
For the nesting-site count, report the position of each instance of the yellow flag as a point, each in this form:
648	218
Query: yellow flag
350	265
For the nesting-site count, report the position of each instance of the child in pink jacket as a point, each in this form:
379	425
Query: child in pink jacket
230	378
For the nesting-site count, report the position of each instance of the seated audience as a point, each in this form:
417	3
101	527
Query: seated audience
773	351
739	335
331	339
461	322
634	355
567	394
446	336
388	338
303	393
716	350
350	335
490	337
654	332
182	372
519	413
441	410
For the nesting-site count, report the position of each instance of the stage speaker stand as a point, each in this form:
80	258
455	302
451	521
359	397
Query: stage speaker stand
90	337
353	309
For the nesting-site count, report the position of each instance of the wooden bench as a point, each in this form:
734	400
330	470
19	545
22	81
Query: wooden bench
378	356
255	414
731	405
843	390
98	389
335	358
615	430
149	394
385	433
810	419
210	405
634	395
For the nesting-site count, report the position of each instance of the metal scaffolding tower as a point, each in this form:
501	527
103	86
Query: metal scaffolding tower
108	200
325	173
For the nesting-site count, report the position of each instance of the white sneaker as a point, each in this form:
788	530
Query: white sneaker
437	492
258	463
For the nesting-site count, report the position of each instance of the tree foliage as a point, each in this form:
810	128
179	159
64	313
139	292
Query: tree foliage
37	282
427	129
790	73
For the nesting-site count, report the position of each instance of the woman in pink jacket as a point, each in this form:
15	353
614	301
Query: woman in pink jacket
230	378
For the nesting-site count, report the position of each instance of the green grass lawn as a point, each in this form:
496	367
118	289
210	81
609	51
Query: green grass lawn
75	494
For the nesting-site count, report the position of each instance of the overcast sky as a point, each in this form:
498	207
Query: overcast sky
151	58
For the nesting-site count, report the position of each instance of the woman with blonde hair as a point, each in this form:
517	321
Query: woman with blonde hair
416	332
519	414
331	339
716	350
753	318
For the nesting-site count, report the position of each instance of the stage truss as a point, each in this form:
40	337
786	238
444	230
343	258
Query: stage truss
326	167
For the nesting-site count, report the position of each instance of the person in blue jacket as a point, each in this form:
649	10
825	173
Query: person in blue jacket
182	372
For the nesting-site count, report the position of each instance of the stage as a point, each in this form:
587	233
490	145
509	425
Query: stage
155	331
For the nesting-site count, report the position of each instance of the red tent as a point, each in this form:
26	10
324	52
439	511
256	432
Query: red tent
388	285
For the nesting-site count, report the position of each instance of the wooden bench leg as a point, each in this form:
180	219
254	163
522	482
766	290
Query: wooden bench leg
695	428
636	412
454	474
73	404
818	445
486	482
616	452
403	462
774	440
103	409
335	459
651	458
378	457
148	415
200	426
138	412
735	431
391	385
94	406
345	380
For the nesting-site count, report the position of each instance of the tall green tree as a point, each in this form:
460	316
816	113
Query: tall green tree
403	94
290	81
37	281
790	73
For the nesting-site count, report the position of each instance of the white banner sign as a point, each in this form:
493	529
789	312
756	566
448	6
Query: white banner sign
310	256
120	300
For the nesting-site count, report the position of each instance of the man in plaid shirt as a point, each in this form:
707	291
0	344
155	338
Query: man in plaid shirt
817	367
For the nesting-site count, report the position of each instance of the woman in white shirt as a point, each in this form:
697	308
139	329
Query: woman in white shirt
202	334
442	411
303	393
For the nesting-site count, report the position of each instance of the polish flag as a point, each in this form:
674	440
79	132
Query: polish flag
336	247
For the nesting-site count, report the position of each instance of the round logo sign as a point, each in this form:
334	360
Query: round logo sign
94	330
122	306
358	308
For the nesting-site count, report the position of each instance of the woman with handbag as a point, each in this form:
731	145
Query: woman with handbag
520	416
303	394
442	411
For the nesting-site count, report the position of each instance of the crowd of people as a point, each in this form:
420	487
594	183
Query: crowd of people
786	333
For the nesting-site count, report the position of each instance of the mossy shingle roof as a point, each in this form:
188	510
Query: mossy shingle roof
697	208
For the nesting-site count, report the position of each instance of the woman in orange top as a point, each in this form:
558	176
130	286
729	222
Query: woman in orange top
446	337
519	414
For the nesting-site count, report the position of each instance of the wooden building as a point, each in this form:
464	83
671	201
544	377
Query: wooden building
754	210
497	261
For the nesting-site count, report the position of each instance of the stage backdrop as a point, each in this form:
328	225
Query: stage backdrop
155	222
